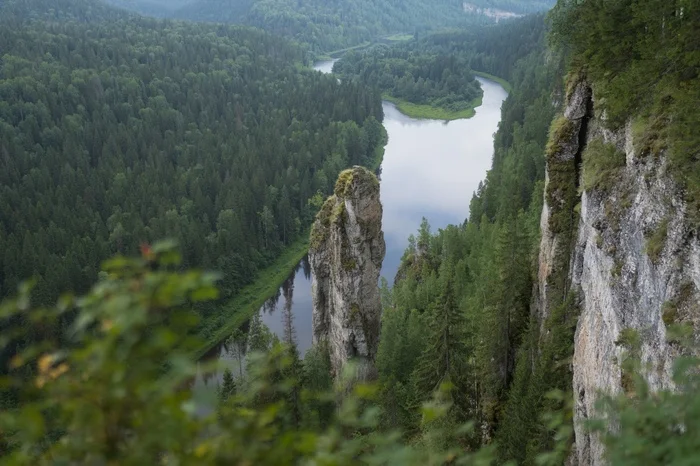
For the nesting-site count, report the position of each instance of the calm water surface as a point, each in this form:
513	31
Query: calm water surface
431	169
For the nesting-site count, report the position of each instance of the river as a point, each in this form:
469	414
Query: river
430	169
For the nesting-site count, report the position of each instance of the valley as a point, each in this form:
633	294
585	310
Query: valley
459	154
362	232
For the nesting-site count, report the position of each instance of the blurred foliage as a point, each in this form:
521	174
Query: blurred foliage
119	392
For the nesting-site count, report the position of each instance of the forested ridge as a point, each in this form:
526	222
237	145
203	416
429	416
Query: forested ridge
18	12
139	129
333	25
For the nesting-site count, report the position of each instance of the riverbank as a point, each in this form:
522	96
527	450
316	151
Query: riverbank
252	297
504	84
428	112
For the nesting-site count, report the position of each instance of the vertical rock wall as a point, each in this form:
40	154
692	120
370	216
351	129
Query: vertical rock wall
346	253
631	257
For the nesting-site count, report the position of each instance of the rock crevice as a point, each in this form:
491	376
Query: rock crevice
624	246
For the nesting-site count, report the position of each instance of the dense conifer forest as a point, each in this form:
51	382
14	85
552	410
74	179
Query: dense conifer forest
140	129
118	130
328	26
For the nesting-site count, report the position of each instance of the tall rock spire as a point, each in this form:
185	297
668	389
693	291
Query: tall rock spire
346	253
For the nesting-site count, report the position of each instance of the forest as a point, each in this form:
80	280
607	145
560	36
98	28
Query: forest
444	277
140	129
651	68
432	78
329	26
416	74
117	131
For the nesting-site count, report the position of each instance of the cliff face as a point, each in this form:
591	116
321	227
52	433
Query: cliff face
628	255
346	253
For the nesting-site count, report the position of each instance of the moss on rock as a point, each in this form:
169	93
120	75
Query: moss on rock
344	183
561	193
560	133
657	240
320	229
602	164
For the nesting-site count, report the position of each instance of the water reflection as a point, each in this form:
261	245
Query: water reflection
287	314
325	66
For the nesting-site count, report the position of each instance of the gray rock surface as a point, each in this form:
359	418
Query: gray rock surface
346	253
621	284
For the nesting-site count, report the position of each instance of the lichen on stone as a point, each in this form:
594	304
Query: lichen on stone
320	228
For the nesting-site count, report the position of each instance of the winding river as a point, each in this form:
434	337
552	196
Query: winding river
430	169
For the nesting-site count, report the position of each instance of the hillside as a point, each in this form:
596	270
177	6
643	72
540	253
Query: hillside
59	10
557	325
124	130
157	8
333	25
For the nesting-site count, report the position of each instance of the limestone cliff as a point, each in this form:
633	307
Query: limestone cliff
616	237
346	253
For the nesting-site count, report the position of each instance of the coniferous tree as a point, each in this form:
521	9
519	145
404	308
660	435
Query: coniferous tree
228	386
445	359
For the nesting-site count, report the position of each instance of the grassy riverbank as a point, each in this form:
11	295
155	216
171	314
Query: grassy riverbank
504	84
252	297
432	113
436	113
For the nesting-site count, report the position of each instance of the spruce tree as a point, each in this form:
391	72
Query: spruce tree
445	358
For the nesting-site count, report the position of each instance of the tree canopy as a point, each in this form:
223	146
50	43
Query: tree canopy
118	132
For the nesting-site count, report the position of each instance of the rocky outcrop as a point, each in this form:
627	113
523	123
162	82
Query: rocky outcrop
559	216
630	257
346	253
